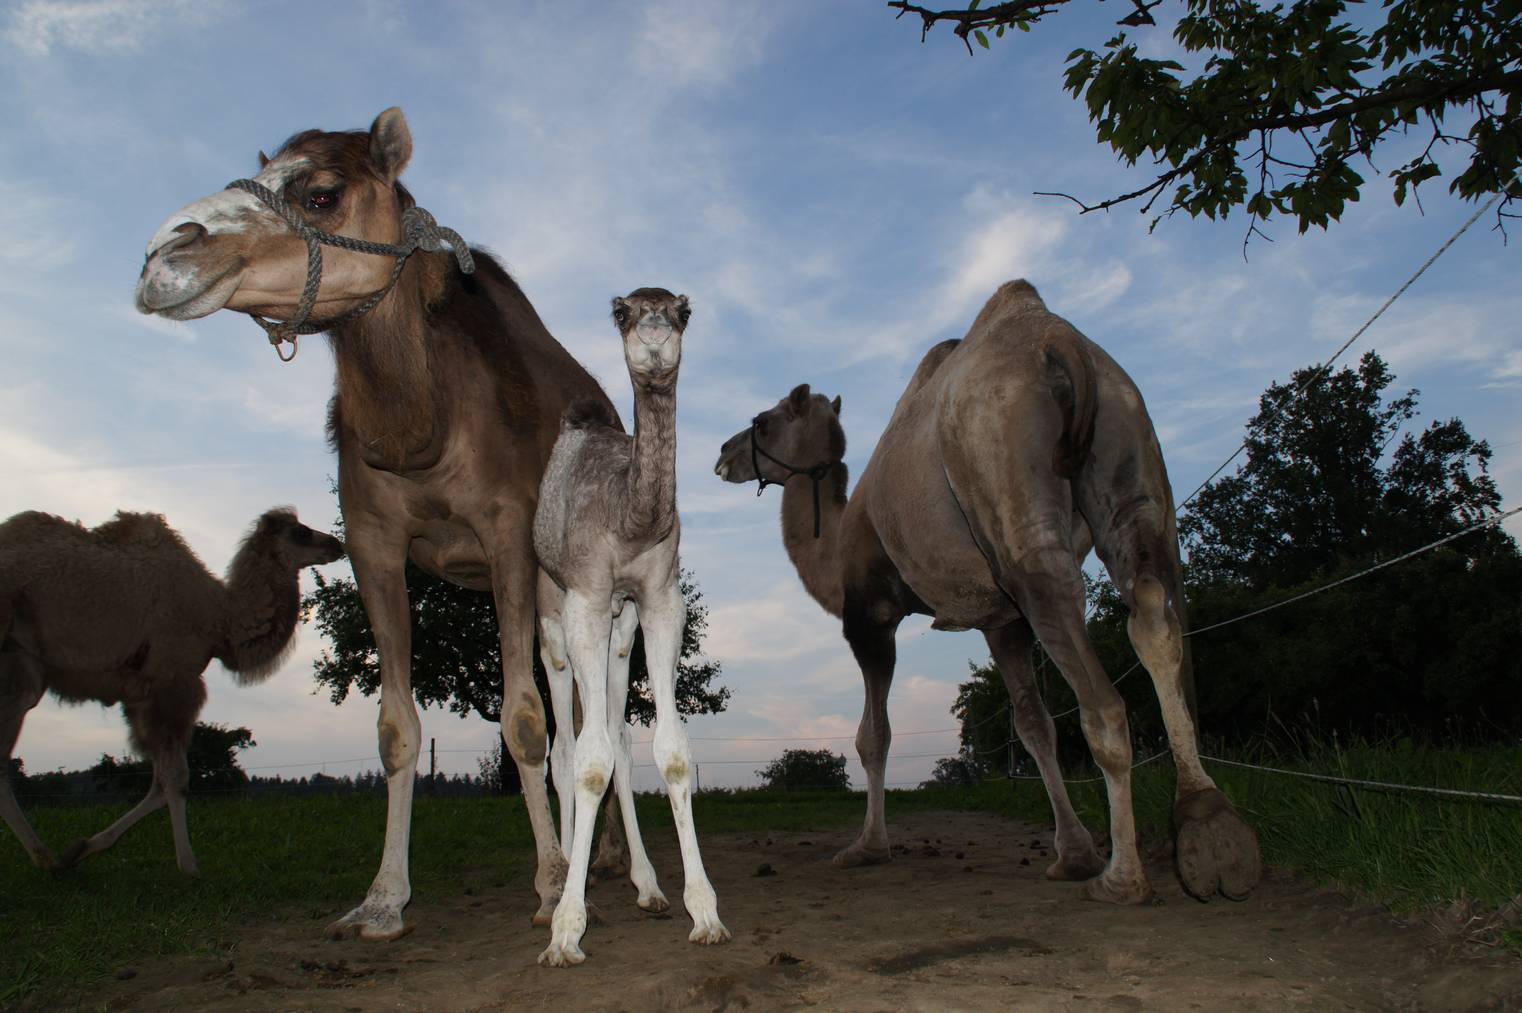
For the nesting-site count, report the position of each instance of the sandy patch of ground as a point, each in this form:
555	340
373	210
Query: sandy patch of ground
962	919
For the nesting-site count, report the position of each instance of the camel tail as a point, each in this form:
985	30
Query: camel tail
586	412
1071	373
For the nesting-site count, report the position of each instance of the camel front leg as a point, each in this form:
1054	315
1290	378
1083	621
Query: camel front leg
1216	851
641	871
378	570
587	626
171	771
663	613
21	686
1011	649
557	671
523	723
876	653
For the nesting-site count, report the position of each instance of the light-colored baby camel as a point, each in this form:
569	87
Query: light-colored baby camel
448	400
607	535
125	613
1010	454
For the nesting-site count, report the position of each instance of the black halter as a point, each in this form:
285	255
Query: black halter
816	473
419	231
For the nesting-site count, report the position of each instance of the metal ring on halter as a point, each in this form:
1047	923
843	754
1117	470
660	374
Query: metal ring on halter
419	228
816	473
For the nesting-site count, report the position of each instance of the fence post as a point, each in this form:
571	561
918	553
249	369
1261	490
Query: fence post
697	773
433	766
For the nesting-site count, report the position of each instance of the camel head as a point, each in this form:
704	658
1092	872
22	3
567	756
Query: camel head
651	321
231	251
801	434
284	538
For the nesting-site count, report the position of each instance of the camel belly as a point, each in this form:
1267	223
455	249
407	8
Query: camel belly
453	553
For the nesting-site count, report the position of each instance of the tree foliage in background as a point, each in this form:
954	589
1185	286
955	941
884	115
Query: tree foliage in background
457	653
1285	104
1335	480
212	755
806	768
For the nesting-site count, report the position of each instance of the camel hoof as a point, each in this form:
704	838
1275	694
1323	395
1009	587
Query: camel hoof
655	903
72	855
566	954
370	922
1217	851
546	913
709	932
1117	891
860	854
1076	868
615	867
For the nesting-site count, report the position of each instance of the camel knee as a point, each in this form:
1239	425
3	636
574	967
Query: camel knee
674	760
1153	625
594	762
399	743
1108	733
524	732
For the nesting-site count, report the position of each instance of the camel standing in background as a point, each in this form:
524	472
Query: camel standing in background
125	613
607	535
1010	453
448	401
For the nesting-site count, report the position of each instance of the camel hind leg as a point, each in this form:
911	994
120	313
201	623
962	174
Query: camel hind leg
1216	850
1011	649
21	686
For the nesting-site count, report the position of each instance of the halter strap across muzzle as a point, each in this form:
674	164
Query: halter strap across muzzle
816	473
419	232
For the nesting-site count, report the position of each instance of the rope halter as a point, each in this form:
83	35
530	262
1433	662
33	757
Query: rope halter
419	232
816	473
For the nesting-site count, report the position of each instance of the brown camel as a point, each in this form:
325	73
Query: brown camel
448	401
607	535
1010	453
125	613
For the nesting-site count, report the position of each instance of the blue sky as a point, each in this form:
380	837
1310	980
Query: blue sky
834	196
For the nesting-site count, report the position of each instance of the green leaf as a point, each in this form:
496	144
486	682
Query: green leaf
982	39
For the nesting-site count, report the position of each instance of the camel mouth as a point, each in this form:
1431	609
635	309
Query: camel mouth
166	291
734	468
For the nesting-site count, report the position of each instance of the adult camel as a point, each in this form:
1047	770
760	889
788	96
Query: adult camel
1010	454
449	392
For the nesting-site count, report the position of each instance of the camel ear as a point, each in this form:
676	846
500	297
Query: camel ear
798	400
835	404
263	160
390	144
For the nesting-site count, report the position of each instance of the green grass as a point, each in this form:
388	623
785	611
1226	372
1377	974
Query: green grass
311	858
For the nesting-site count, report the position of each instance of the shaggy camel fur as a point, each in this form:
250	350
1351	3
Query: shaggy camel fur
125	613
448	401
1010	453
607	535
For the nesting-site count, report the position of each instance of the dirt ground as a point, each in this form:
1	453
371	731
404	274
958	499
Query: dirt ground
962	919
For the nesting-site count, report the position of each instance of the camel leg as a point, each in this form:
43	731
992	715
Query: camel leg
21	686
1216	850
171	770
85	847
876	653
557	670
523	720
663	613
1045	582
378	570
1011	649
641	871
587	628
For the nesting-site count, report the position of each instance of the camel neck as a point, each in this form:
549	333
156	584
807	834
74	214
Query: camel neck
384	376
652	467
817	560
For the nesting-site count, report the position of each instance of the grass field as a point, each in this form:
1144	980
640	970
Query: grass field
310	858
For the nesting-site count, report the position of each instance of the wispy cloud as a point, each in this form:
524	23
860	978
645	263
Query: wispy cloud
37	27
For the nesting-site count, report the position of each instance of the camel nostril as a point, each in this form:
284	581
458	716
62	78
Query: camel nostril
182	235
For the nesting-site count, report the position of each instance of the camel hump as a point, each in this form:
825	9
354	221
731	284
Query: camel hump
1070	371
586	412
127	528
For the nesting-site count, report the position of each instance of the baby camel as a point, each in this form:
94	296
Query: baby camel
606	533
125	613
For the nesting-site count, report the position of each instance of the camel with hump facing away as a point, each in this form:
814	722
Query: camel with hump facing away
1011	452
448	397
607	534
125	613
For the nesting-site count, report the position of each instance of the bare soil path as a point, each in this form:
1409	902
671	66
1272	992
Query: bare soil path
962	919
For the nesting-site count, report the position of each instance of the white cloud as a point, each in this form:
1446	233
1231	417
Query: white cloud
681	42
99	26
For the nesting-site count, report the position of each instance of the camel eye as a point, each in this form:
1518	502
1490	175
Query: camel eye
322	200
683	315
621	315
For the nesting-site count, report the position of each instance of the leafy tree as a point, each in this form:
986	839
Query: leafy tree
1283	100
213	756
806	768
457	653
953	772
